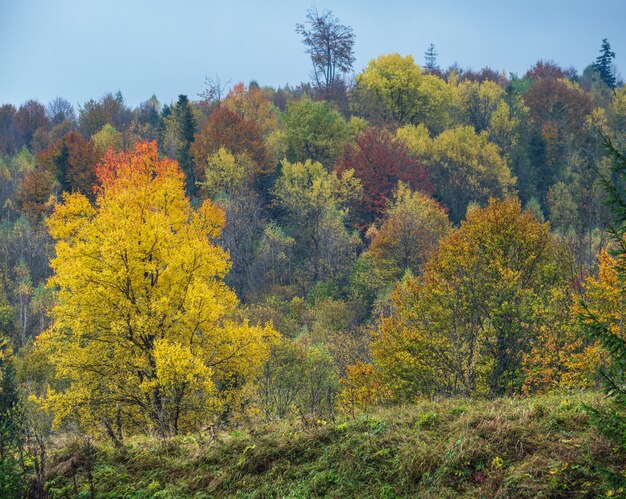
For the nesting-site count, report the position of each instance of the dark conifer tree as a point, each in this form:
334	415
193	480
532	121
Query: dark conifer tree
604	64
186	132
430	58
62	164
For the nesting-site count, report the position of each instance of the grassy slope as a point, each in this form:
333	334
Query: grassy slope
541	446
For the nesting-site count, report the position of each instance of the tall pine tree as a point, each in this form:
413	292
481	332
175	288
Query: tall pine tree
430	58
604	64
186	132
62	164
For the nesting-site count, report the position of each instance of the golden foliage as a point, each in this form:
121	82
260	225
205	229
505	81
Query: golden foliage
142	334
362	388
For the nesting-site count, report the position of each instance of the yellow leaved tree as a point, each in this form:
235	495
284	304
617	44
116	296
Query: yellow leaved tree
490	292
143	335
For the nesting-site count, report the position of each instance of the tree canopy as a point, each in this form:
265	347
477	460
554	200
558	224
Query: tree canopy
144	331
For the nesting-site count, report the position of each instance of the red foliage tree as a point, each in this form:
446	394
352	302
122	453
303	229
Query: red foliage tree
228	129
381	161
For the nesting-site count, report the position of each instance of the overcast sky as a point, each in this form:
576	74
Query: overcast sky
79	49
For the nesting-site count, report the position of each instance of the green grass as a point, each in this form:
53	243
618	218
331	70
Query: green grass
534	447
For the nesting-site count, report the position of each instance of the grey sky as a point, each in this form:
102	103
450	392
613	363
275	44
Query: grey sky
79	49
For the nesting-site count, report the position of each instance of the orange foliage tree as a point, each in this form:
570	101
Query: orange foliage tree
67	165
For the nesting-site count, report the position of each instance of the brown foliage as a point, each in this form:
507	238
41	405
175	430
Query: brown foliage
80	173
29	117
34	192
485	74
82	164
560	102
9	133
548	69
228	129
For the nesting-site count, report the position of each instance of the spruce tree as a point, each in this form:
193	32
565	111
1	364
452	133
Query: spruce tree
604	64
186	132
430	57
62	164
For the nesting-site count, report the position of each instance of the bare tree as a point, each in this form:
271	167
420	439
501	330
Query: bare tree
330	45
59	110
215	89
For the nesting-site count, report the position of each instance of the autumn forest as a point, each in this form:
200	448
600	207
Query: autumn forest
395	256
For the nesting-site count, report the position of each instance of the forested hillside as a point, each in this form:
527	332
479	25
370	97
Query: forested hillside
282	263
